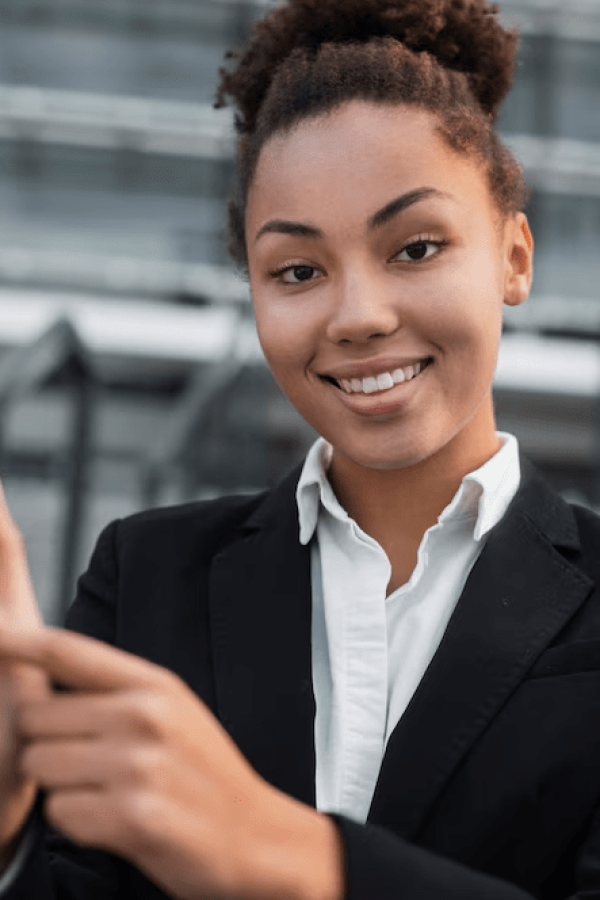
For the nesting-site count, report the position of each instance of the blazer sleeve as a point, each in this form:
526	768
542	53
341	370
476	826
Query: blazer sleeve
382	866
378	864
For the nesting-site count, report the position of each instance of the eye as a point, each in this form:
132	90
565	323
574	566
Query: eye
294	274
417	251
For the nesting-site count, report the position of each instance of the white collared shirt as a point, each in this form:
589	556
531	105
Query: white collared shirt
370	652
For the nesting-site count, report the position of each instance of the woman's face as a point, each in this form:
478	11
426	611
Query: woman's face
379	266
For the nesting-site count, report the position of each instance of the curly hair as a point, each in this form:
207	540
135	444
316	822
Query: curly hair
450	57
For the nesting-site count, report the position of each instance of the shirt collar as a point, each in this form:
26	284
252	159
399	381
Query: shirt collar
483	496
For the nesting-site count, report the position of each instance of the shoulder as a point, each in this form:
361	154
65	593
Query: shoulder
588	531
571	528
147	544
564	522
205	526
206	523
588	521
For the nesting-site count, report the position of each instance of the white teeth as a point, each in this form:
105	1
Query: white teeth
385	381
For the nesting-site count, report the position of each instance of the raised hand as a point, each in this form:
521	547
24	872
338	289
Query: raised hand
134	763
19	613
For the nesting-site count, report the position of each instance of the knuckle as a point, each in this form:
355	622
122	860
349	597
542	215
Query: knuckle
51	651
171	679
139	810
143	765
148	712
166	684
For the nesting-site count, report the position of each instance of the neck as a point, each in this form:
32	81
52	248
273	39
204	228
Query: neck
397	506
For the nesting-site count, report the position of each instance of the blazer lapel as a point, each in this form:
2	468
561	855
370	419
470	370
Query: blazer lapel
520	593
260	608
518	596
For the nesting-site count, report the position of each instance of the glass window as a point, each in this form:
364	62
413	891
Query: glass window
567	235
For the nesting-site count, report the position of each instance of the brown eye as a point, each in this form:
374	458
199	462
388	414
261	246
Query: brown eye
296	274
417	251
302	273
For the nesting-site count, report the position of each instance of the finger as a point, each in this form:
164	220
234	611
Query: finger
93	763
98	762
67	763
79	661
99	817
16	591
79	714
85	715
80	814
8	528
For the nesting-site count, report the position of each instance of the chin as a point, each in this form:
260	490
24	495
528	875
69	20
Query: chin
392	465
387	461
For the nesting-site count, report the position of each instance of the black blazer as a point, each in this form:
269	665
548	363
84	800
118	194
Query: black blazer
490	784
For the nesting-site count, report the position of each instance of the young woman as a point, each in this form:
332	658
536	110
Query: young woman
380	680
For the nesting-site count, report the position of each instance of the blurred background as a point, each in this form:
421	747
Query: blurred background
129	372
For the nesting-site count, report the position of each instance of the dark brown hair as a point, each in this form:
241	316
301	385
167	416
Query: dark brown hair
450	57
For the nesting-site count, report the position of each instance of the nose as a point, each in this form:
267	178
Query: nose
362	310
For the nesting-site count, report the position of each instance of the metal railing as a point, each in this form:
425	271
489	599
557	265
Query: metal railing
61	354
208	391
199	398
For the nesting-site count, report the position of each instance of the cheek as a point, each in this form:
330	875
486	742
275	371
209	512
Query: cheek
285	341
282	326
467	315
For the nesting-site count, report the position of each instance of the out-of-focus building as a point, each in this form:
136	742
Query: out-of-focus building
548	390
552	120
114	170
113	164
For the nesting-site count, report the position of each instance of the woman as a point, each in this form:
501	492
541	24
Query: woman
396	651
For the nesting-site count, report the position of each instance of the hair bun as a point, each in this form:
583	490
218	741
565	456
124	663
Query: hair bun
464	35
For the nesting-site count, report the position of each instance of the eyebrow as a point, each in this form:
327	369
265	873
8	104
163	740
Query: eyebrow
377	220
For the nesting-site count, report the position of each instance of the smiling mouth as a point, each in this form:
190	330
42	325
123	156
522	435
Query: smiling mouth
385	381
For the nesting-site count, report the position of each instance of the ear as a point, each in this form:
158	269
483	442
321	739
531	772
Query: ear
518	273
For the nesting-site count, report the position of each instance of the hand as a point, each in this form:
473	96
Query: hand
18	612
134	763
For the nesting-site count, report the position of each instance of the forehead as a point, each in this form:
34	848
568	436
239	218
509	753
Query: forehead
353	160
